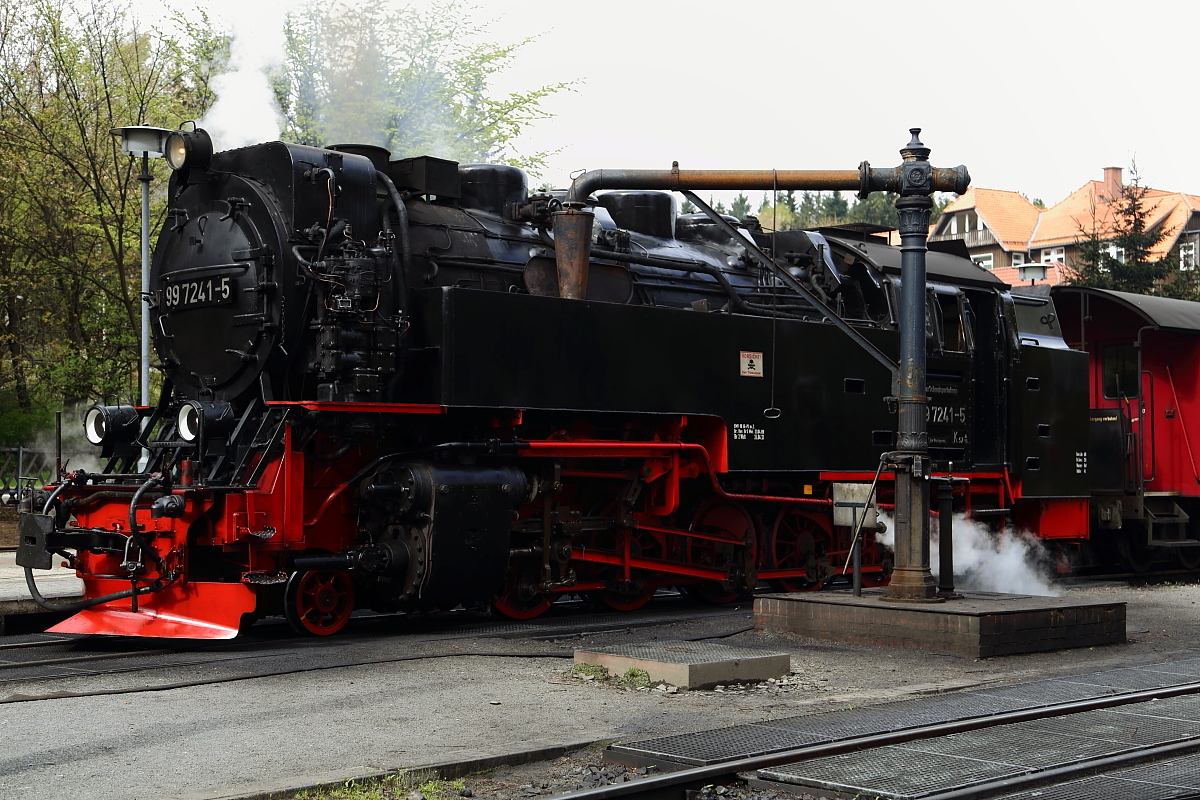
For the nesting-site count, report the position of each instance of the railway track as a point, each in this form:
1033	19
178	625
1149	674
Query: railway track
1112	746
32	670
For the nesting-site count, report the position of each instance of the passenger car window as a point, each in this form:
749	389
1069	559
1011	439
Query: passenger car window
1120	371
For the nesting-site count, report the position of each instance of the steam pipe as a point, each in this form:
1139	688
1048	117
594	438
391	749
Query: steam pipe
401	235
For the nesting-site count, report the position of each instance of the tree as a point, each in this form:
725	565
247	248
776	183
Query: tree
1117	254
834	207
413	81
878	209
740	207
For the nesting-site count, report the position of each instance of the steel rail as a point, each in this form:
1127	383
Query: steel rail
671	785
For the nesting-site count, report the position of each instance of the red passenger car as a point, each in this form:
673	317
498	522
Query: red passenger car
1144	384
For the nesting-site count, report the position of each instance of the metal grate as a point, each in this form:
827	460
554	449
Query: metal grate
1128	728
1182	772
1099	787
1129	680
1190	667
1043	693
1017	744
723	744
1185	707
892	772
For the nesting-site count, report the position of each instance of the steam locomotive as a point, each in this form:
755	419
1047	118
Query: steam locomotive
376	395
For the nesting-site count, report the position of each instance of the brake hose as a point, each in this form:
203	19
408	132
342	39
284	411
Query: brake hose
80	605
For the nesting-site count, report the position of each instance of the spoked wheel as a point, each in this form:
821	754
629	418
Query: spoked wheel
798	541
642	544
521	598
1135	554
728	520
318	602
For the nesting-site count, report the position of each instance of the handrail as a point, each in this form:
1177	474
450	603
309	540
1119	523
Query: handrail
1146	426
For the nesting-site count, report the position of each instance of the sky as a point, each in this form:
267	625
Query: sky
1035	97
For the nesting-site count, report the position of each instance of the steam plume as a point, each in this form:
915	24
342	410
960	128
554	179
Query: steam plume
988	562
245	111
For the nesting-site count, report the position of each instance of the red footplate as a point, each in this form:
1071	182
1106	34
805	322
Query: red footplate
183	611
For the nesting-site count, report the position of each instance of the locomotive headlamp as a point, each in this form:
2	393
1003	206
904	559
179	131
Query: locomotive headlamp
188	149
197	418
108	424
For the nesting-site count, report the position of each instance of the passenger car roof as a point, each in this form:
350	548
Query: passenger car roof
1164	313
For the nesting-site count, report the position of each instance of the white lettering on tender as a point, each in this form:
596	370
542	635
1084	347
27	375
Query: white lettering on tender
748	432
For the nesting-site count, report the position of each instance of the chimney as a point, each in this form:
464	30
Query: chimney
1112	183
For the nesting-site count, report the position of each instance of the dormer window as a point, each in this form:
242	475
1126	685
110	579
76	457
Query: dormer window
965	223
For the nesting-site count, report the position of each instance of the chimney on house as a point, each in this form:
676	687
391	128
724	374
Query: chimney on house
1112	183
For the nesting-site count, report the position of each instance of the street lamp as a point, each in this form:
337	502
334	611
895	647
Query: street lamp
148	142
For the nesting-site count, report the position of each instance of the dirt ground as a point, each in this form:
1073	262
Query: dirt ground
8	526
1163	624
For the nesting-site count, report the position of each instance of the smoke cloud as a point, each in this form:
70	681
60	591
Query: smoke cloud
984	561
245	111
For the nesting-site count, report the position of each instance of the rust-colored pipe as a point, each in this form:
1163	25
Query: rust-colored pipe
862	180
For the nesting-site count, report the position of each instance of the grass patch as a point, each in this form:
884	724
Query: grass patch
392	787
593	671
441	790
636	678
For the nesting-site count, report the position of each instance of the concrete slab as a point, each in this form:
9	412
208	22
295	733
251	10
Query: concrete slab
981	624
689	665
58	584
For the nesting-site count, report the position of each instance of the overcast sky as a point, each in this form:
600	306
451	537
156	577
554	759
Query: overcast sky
1035	97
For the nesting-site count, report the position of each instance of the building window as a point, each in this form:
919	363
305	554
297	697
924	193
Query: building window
1187	256
1052	254
1018	259
1116	253
984	260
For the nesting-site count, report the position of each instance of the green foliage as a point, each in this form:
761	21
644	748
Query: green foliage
878	209
70	212
70	224
594	671
413	81
740	206
636	678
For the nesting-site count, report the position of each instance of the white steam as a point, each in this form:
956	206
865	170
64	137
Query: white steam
984	561
245	111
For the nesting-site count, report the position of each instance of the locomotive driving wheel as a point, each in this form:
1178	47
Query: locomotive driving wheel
318	602
521	597
799	540
726	519
635	594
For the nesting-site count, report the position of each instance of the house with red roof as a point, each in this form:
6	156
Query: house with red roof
1004	232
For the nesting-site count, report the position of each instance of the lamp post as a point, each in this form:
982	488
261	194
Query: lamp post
148	142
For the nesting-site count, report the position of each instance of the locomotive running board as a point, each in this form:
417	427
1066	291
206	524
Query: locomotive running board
196	611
